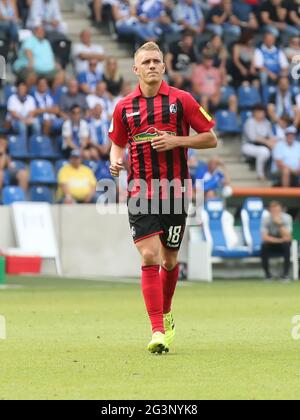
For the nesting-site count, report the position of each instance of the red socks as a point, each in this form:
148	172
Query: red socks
153	296
169	280
158	290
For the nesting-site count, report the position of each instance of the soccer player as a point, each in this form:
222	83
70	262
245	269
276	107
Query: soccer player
154	121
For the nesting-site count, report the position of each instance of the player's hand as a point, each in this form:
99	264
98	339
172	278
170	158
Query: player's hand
116	167
163	141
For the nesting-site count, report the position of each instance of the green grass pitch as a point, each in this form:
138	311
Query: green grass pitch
75	339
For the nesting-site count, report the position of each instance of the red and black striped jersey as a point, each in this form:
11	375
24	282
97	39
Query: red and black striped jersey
134	122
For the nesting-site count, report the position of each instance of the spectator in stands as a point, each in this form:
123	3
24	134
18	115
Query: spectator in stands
126	90
77	183
98	9
112	77
280	127
189	16
36	56
286	157
126	21
99	127
23	9
206	85
258	140
277	231
284	102
18	177
47	14
243	67
154	19
274	15
21	109
247	13
72	97
85	51
10	20
293	13
102	97
180	60
75	133
216	48
225	19
216	178
47	111
89	79
270	61
293	48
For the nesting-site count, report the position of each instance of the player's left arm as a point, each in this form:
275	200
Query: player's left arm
197	118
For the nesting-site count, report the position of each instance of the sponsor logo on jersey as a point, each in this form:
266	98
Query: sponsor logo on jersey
148	136
206	114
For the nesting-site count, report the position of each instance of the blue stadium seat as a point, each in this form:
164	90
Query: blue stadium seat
41	147
102	170
226	93
17	147
218	229
227	122
245	115
12	195
6	178
41	194
18	165
252	214
42	172
91	164
248	97
59	164
295	90
8	91
60	90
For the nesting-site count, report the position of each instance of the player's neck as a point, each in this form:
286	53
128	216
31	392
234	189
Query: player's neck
149	91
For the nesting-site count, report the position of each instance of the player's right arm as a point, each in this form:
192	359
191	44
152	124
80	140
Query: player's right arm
116	159
119	136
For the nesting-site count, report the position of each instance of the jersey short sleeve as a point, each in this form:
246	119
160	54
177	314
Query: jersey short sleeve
196	116
118	132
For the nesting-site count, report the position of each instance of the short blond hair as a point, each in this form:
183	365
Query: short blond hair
149	46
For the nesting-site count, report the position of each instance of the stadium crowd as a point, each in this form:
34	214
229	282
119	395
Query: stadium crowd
238	58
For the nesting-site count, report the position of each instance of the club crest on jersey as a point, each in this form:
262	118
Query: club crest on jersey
173	109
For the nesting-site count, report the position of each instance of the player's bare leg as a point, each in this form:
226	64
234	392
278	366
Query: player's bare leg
153	291
169	276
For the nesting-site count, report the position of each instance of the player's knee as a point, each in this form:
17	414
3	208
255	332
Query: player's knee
169	264
150	257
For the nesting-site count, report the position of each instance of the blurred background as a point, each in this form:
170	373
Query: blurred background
68	65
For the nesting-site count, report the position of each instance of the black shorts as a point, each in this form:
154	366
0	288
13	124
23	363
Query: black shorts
170	227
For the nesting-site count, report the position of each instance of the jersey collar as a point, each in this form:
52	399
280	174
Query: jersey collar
163	90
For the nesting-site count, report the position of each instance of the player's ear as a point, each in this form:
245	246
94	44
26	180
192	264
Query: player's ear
164	68
135	70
